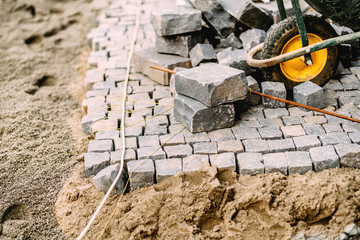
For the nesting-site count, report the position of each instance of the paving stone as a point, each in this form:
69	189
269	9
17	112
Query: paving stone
223	161
175	128
355	137
157	120
298	162
256	146
145	152
130	143
275	89
144	58
351	230
143	173
290	120
231	41
281	145
130	155
94	101
275	112
100	146
205	148
148	141
234	146
143	89
350	82
221	135
267	122
105	178
174	140
253	85
313	129
178	44
309	93
334	138
324	158
304	143
167	168
252	38
212	84
249	124
141	105
107	134
198	117
250	163
109	124
349	155
163	97
299	112
192	138
97	93
173	21
332	127
315	119
242	133
216	16
252	114
104	85
95	162
195	162
178	151
155	130
248	13
333	85
275	162
134	131
92	76
332	119
351	127
270	132
292	131
235	59
202	53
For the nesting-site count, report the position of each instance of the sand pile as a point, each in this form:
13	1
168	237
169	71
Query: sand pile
213	205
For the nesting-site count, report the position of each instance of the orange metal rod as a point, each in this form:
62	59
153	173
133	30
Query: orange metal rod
280	100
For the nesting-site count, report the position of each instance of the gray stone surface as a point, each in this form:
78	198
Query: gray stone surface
148	141
235	59
104	179
291	120
256	146
304	143
315	119
143	173
221	135
352	230
324	158
308	93
197	117
107	134
248	13
192	138
156	130
281	145
250	163
223	161
253	85
130	142
232	41
275	112
334	138
178	44
178	151
275	89
252	38
234	146
95	162
170	139
167	168
349	155
173	21
355	137
195	163
293	131
212	84
202	53
205	148
157	120
149	152
216	16
144	58
130	154
298	162
252	115
299	112
332	127
268	122
100	146
333	85
276	162
89	119
270	132
242	133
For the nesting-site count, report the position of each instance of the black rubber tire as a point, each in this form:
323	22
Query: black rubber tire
282	33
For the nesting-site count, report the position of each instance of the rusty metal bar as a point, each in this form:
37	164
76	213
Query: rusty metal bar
280	100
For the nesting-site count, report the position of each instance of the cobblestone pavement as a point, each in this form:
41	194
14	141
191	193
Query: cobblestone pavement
287	140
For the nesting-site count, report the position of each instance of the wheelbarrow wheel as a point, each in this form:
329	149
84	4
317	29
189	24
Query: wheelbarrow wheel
285	38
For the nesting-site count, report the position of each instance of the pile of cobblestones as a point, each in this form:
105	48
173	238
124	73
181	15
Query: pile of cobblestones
266	138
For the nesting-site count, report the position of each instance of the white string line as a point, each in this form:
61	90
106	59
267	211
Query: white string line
137	25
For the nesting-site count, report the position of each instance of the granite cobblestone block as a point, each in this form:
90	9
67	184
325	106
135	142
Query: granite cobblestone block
195	162
276	162
275	89
131	143
313	129
275	112
167	167
148	141
205	148
309	93
154	153
250	163
100	146
143	173
202	53
334	138
270	132
192	138
230	146
281	145
299	162
304	143
349	155
130	154
256	146
292	131
178	151
105	178
174	140
223	161
95	162
242	133
221	135
324	158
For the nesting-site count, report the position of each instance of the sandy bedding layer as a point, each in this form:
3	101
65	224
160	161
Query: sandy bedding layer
42	56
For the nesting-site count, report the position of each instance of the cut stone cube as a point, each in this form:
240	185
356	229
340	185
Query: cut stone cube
95	162
143	173
309	93
105	178
324	158
154	153
250	163
178	151
223	161
275	89
349	155
167	168
202	53
276	162
252	37
298	162
304	143
195	163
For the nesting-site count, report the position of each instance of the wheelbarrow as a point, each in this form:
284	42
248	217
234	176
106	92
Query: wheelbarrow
305	47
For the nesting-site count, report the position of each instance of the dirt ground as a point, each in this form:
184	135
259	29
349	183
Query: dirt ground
42	187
